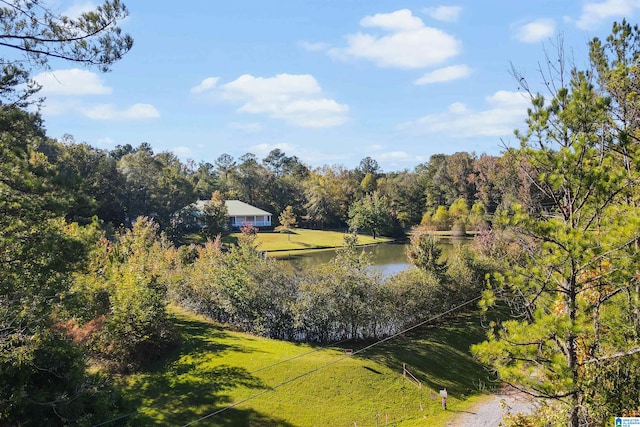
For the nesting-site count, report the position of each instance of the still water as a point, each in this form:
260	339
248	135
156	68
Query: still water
387	258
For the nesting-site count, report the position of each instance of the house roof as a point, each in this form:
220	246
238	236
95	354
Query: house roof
238	208
235	208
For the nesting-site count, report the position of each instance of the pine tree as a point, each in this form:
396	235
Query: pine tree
572	284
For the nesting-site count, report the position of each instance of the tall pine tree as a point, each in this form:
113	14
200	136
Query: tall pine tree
572	285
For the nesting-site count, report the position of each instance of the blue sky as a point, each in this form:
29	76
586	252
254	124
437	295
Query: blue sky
330	81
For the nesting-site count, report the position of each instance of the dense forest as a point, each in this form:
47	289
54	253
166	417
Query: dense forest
92	253
117	186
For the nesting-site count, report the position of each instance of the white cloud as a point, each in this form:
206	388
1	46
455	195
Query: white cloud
595	12
205	85
444	13
446	74
313	47
74	81
400	20
78	8
506	111
134	112
410	43
296	99
458	108
534	31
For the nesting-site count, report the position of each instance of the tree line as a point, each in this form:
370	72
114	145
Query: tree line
124	183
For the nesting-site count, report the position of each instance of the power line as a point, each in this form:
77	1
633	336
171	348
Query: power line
120	417
307	373
300	355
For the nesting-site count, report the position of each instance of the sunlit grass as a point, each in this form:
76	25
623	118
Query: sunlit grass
216	368
301	238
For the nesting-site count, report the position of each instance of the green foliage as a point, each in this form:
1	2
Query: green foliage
135	331
371	213
425	253
417	292
547	415
448	178
246	178
275	160
204	181
476	218
156	185
459	228
441	220
341	299
287	221
215	216
405	192
369	165
44	382
42	372
328	194
43	379
615	61
572	282
91	38
454	218
91	177
368	183
459	209
241	287
124	292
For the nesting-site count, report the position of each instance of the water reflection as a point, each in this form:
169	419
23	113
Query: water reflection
387	258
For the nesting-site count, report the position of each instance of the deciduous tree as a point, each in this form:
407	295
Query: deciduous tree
371	213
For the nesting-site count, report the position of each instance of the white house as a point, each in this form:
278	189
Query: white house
240	214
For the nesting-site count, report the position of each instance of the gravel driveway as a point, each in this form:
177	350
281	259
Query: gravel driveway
488	413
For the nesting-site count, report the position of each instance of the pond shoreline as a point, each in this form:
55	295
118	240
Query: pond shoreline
285	253
388	258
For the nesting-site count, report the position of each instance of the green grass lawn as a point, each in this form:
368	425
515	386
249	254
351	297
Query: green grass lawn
305	239
277	383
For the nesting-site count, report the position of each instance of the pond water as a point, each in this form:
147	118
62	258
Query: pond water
387	258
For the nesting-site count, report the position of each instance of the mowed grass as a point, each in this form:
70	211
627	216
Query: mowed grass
236	379
301	239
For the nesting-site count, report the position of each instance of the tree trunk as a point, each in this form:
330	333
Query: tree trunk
572	356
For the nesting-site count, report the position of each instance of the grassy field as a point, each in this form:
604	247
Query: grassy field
262	382
305	239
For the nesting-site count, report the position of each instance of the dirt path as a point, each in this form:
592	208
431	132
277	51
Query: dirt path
488	413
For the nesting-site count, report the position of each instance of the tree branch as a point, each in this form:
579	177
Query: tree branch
612	356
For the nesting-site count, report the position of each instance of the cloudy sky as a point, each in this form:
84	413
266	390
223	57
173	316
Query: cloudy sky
330	81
